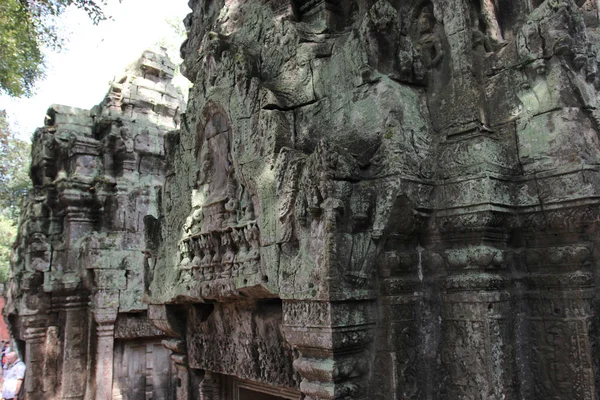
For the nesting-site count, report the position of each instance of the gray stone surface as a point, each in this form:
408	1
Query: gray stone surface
364	200
77	282
399	198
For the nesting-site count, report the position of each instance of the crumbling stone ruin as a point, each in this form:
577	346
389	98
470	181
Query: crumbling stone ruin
384	200
365	200
75	302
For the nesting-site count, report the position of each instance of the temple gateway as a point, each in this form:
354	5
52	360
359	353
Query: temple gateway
362	200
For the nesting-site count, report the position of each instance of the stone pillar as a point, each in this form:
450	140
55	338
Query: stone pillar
105	340
559	297
35	338
75	344
179	357
406	328
210	387
476	356
173	325
52	351
332	340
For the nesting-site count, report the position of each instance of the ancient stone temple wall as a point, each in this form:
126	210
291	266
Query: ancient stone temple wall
383	200
75	299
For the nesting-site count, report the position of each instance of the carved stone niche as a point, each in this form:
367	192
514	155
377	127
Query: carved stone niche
220	248
216	165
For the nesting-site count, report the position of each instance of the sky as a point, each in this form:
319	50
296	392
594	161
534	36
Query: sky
79	74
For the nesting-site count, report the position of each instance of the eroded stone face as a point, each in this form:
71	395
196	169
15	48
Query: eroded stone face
417	183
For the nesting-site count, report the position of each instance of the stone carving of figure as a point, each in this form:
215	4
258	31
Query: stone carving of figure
287	191
240	241
381	30
231	206
248	207
252	237
125	155
184	248
429	43
215	247
205	248
127	139
193	223
228	253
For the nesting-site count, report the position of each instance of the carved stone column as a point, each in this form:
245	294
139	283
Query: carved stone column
105	339
74	316
476	357
210	387
559	299
179	357
52	351
167	320
332	340
34	336
474	326
407	315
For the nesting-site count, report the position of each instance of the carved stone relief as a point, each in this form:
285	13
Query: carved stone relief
366	200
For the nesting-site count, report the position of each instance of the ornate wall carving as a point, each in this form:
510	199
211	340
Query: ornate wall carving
423	186
365	200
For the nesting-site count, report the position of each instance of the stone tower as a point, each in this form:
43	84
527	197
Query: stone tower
75	299
383	200
365	200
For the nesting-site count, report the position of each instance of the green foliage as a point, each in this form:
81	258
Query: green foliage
25	27
14	170
21	61
14	184
8	234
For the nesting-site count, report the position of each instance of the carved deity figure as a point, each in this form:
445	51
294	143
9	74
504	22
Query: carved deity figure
252	237
227	245
429	43
215	247
184	249
193	223
382	34
228	254
232	204
126	139
240	241
205	247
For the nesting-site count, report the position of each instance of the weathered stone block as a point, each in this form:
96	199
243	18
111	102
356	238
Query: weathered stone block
110	279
